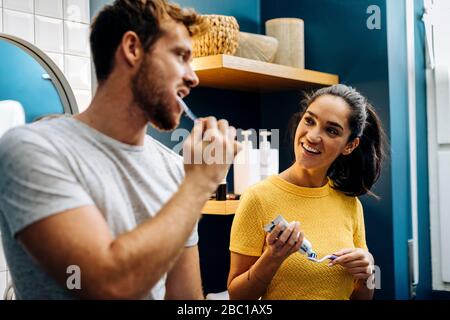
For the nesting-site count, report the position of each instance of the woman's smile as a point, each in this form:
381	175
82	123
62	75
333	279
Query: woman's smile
310	150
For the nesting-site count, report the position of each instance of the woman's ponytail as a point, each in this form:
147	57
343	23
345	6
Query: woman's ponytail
356	173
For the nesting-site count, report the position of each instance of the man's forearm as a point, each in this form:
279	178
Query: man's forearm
184	279
144	254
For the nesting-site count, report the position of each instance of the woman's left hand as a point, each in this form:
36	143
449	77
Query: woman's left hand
356	261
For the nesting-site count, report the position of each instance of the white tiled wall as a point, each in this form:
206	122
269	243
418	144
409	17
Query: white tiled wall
19	24
19	5
77	72
49	34
76	38
77	10
60	28
49	8
57	58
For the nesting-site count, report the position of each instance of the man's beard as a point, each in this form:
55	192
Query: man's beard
151	98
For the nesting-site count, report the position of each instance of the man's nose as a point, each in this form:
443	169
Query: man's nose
191	78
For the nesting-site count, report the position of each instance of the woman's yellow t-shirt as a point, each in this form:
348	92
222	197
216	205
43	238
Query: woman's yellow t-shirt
330	220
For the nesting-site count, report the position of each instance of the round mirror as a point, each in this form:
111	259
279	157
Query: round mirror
29	76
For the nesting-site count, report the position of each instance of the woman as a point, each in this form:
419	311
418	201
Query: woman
338	149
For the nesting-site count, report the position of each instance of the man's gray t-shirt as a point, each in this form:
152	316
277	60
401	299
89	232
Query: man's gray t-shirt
55	165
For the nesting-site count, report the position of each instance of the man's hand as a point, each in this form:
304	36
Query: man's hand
356	261
209	151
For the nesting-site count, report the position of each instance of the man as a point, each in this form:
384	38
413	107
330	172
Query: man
93	196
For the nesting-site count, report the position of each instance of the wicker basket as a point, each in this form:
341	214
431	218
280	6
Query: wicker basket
222	37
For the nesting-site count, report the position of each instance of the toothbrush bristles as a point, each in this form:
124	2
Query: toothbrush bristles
330	257
186	109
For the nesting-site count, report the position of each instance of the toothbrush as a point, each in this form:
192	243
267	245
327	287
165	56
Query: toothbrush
330	256
186	109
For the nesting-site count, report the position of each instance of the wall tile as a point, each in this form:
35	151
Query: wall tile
20	5
76	38
1	19
19	24
57	58
49	34
83	98
77	10
49	8
78	72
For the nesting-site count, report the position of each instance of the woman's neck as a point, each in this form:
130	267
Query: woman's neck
305	178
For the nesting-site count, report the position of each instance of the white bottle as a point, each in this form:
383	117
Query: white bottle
246	165
269	163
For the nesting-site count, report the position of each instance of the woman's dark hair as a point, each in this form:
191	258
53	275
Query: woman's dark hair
356	173
145	18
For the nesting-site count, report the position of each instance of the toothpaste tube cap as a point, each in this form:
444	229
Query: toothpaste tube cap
312	255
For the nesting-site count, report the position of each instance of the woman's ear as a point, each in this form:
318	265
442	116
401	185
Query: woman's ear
131	48
350	147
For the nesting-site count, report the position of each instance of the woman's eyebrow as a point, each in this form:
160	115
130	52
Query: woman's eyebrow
334	124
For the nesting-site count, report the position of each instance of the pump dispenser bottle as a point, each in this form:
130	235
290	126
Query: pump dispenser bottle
269	163
221	192
246	165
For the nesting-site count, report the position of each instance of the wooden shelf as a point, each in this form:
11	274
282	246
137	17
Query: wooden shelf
220	207
230	72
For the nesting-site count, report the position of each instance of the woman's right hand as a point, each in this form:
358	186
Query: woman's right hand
282	242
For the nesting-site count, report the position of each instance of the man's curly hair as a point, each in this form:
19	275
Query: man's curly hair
145	17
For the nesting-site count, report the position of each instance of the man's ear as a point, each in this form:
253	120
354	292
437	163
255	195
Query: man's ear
351	146
131	48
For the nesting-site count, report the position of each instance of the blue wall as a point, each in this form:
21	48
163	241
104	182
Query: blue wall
247	12
424	287
398	86
96	5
